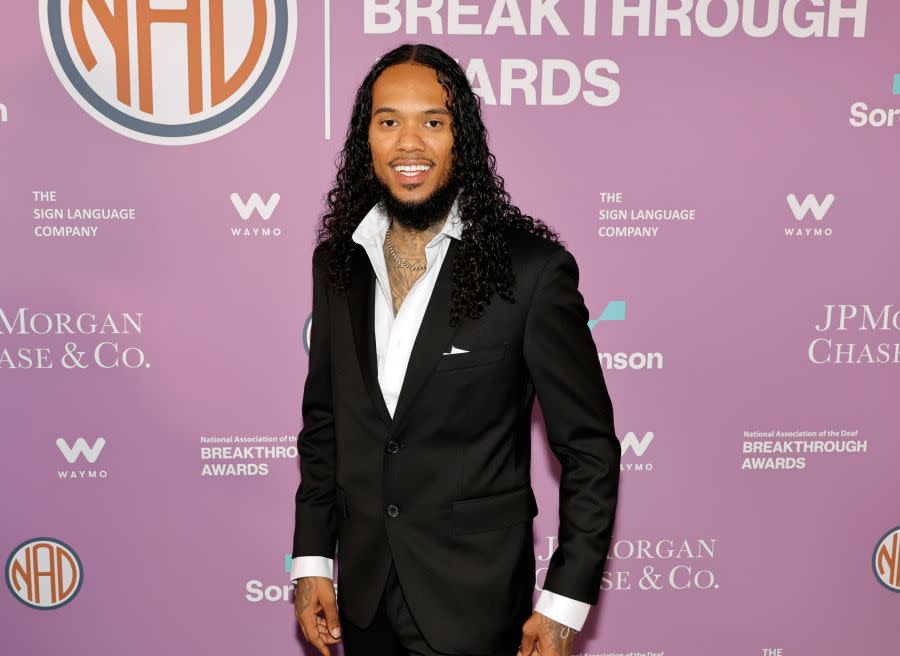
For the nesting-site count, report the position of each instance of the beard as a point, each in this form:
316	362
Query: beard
419	215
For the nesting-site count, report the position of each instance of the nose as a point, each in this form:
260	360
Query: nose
409	138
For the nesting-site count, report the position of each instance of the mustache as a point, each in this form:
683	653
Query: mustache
400	160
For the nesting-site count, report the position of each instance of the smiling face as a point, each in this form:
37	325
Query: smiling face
409	133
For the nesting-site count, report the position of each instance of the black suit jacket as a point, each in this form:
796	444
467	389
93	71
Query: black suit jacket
444	486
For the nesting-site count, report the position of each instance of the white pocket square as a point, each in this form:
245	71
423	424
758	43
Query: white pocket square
454	350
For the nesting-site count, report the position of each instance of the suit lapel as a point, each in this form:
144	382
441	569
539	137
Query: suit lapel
434	336
361	301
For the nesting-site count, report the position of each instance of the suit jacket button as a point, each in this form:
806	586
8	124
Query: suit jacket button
392	447
393	510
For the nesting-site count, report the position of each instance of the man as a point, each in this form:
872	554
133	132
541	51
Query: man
439	310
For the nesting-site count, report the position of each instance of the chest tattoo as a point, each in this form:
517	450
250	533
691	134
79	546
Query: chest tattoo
401	279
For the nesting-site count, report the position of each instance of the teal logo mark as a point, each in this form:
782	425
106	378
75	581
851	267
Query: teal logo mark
614	311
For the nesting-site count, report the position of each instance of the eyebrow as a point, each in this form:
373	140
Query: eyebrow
391	110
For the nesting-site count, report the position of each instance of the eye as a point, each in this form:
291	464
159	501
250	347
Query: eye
387	120
434	120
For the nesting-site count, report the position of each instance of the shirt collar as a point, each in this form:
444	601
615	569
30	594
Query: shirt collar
375	223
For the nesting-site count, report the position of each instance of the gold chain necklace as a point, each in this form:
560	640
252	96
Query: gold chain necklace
397	259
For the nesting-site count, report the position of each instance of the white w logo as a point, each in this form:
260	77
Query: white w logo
255	203
81	448
632	442
810	204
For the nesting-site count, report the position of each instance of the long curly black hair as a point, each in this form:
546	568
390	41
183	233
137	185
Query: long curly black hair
482	262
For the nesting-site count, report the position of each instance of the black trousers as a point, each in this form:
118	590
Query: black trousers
393	631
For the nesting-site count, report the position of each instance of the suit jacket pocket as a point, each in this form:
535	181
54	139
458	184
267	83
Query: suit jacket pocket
493	512
473	358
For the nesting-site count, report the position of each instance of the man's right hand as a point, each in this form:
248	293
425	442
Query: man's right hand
312	595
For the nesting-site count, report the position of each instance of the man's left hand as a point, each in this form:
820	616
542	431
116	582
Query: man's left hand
547	637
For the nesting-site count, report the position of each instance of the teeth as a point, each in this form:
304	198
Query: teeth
411	170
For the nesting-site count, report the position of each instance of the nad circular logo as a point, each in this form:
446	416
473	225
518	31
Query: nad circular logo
170	76
886	560
44	573
307	332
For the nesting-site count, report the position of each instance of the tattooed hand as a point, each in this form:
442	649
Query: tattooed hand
541	635
312	595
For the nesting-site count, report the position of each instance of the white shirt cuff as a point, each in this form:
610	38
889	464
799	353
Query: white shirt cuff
570	612
312	566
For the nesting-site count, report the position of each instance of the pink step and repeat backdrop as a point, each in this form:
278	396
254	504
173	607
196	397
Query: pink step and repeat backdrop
725	172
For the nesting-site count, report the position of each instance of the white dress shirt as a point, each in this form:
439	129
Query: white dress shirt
394	337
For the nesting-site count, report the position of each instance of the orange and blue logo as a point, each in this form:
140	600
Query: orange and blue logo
44	573
170	75
886	560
